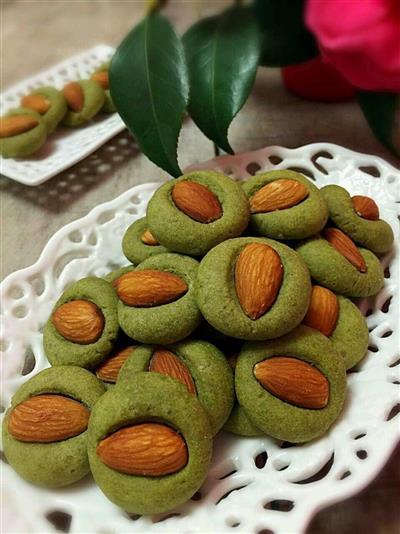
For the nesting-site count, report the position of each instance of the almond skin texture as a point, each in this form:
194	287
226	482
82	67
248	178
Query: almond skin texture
48	418
16	124
74	96
101	78
79	321
278	195
258	278
166	363
148	239
38	103
293	381
109	370
365	207
323	311
147	449
150	288
343	244
196	201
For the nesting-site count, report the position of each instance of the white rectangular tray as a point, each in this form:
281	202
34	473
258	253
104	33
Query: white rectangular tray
66	146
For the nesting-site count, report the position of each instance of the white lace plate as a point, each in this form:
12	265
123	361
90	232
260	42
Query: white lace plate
254	484
65	146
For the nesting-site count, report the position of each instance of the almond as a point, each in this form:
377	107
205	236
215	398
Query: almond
38	103
108	371
150	288
148	239
365	207
166	363
48	418
258	278
101	78
147	449
232	360
73	94
79	321
346	247
293	381
323	311
16	124
196	201
278	195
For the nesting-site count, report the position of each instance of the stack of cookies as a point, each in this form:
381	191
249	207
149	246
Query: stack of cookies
234	313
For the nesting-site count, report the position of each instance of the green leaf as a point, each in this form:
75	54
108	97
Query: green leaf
222	54
379	109
286	39
149	87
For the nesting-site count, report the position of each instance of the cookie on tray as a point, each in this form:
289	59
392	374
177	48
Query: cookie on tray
337	263
197	364
100	76
50	103
83	325
253	288
292	388
339	319
197	211
149	444
85	98
358	217
138	242
44	431
285	205
156	301
22	132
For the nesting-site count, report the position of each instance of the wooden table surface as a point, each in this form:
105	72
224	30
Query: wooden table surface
36	34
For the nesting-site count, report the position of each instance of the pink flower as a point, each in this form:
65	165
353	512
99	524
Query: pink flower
360	38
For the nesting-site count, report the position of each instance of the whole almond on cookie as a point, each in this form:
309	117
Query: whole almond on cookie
258	278
323	310
108	371
346	247
150	288
278	195
148	239
293	381
166	363
147	449
48	418
79	321
73	94
38	103
101	78
16	125
197	201
365	207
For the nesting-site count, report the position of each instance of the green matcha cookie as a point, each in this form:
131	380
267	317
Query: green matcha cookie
96	313
197	211
198	364
304	384
50	103
138	244
93	100
347	212
172	313
331	269
22	133
114	275
108	371
151	405
52	464
217	288
339	319
100	76
285	205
